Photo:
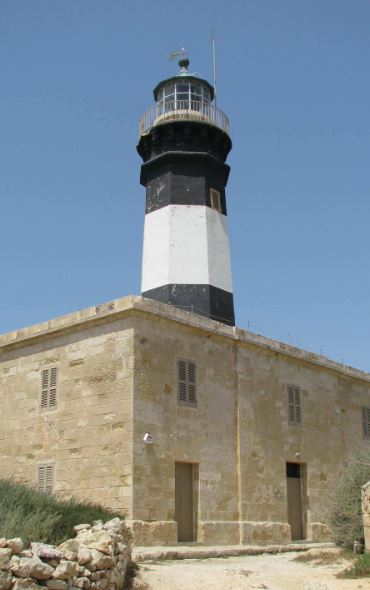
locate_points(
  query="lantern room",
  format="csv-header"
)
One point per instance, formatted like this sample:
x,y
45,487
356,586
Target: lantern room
x,y
183,97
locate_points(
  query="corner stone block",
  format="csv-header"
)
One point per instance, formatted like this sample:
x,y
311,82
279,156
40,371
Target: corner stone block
x,y
263,533
153,533
218,532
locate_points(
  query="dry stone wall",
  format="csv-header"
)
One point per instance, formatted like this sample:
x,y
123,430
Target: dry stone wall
x,y
96,559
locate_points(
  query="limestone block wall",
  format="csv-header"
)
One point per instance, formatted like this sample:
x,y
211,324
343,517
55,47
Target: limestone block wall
x,y
97,559
204,436
87,437
117,380
238,438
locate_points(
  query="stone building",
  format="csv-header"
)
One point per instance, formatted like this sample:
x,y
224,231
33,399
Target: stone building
x,y
160,407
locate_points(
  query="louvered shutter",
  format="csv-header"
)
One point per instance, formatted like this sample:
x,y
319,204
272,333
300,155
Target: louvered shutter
x,y
297,404
49,479
41,477
53,387
294,405
49,379
192,391
44,388
365,422
45,478
186,382
291,412
181,383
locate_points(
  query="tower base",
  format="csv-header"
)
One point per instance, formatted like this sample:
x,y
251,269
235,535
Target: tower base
x,y
205,300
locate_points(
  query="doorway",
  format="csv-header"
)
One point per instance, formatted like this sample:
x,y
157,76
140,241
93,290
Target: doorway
x,y
294,474
184,501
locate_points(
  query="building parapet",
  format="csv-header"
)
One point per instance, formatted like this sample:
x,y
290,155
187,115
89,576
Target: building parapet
x,y
132,304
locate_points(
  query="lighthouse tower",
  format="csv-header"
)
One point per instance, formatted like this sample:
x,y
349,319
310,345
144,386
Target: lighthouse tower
x,y
184,143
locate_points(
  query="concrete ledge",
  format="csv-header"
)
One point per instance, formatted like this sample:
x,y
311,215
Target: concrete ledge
x,y
210,552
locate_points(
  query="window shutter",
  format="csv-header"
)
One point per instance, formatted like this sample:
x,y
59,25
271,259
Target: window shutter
x,y
181,368
49,479
45,478
294,405
53,387
297,403
41,478
44,388
365,422
49,378
192,394
291,412
186,382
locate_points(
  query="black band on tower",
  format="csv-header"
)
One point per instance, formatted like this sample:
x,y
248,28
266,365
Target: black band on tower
x,y
206,300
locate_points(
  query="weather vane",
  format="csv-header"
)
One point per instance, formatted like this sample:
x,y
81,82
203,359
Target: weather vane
x,y
182,53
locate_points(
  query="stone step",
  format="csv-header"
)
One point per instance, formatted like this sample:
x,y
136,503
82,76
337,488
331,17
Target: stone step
x,y
198,551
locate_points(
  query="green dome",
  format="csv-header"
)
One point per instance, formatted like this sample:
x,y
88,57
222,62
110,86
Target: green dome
x,y
183,73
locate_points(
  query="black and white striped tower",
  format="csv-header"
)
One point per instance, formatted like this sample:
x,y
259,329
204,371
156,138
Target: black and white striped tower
x,y
184,143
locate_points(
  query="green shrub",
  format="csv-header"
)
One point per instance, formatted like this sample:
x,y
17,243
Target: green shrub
x,y
346,515
26,513
360,569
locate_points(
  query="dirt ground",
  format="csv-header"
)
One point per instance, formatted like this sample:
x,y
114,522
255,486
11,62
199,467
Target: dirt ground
x,y
272,572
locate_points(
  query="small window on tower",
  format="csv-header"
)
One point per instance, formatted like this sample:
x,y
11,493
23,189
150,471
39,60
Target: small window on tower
x,y
45,478
186,383
49,383
365,412
215,199
294,405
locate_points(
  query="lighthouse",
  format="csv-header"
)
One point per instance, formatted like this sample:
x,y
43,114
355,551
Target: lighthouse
x,y
184,143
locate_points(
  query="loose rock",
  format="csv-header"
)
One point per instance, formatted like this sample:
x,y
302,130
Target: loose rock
x,y
65,570
101,561
5,555
5,580
102,584
95,560
32,567
81,583
83,555
16,545
57,585
81,527
26,584
100,540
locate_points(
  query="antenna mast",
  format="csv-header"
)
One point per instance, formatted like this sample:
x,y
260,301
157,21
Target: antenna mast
x,y
214,63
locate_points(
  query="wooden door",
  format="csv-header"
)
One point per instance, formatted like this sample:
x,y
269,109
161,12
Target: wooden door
x,y
184,509
294,493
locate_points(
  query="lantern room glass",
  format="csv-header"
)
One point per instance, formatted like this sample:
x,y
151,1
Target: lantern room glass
x,y
183,95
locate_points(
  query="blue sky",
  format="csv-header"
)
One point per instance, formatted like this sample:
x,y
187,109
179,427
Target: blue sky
x,y
293,77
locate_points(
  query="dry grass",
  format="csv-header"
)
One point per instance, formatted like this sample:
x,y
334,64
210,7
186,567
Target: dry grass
x,y
359,569
26,513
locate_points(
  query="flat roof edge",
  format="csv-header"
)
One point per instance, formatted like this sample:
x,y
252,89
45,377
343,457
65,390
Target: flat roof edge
x,y
124,306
